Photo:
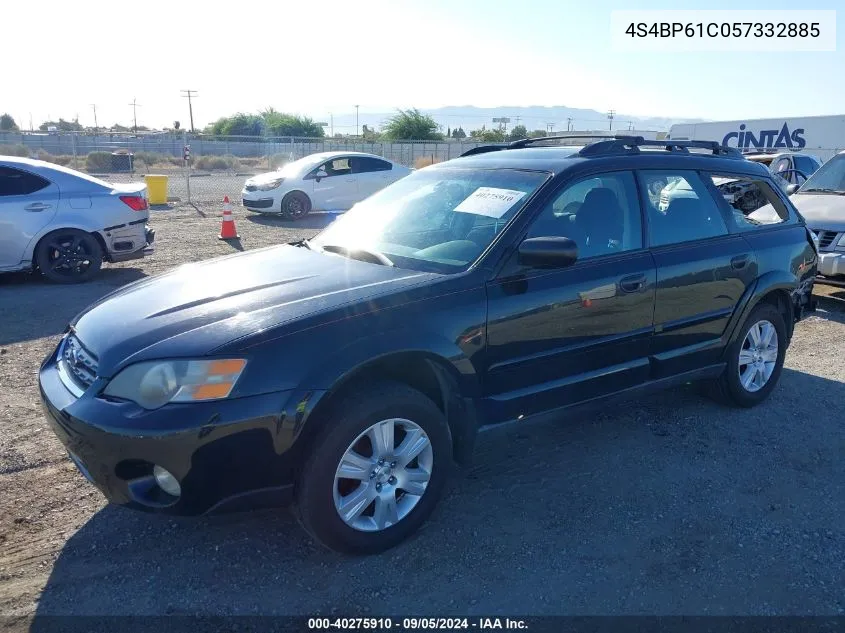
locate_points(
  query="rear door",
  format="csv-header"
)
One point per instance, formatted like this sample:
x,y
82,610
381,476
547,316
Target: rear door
x,y
702,270
28,203
338,189
373,174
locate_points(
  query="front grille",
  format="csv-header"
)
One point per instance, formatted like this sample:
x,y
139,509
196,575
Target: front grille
x,y
826,238
79,363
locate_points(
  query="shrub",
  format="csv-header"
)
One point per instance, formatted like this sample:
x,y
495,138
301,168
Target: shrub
x,y
150,158
425,161
252,162
216,162
98,161
56,160
14,150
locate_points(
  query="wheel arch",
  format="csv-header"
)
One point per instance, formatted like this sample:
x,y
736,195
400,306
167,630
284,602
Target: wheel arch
x,y
294,191
776,288
48,231
425,371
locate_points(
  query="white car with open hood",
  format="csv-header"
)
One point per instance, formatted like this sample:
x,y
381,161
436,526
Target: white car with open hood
x,y
329,181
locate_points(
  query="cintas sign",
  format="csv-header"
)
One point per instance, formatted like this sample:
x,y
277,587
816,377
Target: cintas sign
x,y
766,139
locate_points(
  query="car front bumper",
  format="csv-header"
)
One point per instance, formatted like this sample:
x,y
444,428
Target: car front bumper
x,y
259,200
831,264
226,455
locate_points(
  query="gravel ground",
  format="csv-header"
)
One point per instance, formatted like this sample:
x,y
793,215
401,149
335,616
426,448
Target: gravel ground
x,y
668,505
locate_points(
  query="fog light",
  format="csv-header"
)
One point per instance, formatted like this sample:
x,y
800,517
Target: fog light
x,y
166,481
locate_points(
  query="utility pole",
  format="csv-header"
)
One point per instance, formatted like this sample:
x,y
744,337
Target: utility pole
x,y
549,128
96,127
569,124
331,119
135,106
610,115
189,94
356,120
30,122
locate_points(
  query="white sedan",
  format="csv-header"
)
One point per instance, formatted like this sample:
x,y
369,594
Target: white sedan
x,y
330,181
66,223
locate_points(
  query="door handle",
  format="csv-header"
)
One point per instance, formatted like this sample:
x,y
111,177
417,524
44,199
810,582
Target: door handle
x,y
37,206
634,283
739,262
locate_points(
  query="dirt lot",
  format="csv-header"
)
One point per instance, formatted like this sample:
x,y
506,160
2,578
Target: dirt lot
x,y
670,505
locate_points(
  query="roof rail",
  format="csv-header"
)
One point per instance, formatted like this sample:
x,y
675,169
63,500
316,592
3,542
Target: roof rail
x,y
483,149
632,144
525,142
615,144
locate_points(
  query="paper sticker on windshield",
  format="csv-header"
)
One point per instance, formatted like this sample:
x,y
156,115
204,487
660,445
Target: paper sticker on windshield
x,y
490,201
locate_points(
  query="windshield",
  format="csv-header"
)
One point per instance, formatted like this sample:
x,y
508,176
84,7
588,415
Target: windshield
x,y
829,177
438,220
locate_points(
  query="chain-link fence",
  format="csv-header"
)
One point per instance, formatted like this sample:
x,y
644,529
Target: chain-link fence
x,y
218,165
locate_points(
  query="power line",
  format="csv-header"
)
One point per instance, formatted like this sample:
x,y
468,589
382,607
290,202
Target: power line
x,y
189,94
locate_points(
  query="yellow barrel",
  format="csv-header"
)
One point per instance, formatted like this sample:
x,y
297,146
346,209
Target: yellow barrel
x,y
156,188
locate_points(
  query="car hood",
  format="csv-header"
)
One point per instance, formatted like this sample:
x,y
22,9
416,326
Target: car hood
x,y
822,211
260,179
198,307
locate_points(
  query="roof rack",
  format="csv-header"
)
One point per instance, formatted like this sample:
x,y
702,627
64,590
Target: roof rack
x,y
632,144
615,144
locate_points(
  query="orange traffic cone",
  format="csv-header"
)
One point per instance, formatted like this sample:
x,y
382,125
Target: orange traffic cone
x,y
227,229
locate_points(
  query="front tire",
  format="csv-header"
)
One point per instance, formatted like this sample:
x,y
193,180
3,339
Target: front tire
x,y
68,256
295,205
377,470
755,359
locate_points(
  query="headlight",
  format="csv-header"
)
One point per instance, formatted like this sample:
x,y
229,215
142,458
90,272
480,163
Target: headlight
x,y
268,184
154,384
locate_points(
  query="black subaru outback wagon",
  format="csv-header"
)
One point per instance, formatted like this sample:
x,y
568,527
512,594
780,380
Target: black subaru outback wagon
x,y
346,373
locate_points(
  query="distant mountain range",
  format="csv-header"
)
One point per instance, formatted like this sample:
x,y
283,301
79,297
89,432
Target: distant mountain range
x,y
532,117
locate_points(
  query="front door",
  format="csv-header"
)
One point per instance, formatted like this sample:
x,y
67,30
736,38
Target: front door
x,y
27,204
335,186
564,336
702,269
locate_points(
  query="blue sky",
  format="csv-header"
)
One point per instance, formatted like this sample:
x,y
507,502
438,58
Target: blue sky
x,y
321,57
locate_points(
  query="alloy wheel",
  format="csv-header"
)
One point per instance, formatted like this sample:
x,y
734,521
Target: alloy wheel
x,y
758,356
383,475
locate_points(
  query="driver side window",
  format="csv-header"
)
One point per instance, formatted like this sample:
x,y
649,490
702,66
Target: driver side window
x,y
601,214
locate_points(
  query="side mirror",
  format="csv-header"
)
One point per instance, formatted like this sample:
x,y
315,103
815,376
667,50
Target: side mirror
x,y
321,173
792,188
548,252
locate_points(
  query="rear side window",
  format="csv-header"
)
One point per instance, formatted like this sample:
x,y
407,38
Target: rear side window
x,y
365,164
680,207
752,202
14,182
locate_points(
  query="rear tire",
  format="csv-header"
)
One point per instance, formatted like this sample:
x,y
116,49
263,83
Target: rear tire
x,y
68,256
755,359
383,501
295,205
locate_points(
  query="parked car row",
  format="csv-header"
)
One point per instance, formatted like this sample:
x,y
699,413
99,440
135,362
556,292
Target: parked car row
x,y
511,283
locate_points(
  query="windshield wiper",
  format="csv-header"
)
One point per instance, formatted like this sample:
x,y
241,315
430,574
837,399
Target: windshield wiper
x,y
823,190
372,256
302,242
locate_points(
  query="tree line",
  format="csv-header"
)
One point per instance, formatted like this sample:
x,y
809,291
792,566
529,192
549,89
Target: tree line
x,y
408,124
